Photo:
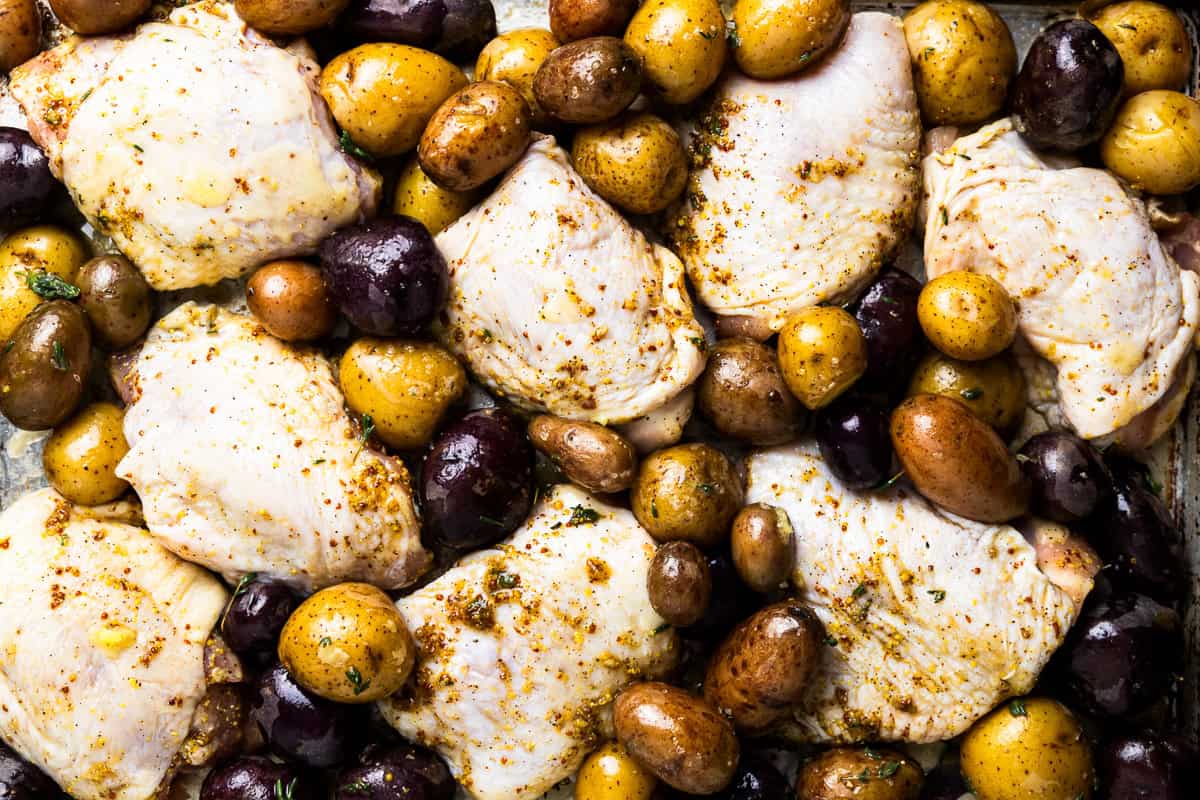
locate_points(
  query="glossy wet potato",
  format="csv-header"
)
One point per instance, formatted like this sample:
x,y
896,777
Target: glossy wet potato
x,y
887,315
401,772
118,301
24,173
256,778
256,614
588,81
93,17
1069,479
744,395
81,456
476,134
854,441
456,29
838,774
761,545
610,773
681,44
1139,767
298,724
514,58
679,583
597,458
688,492
43,373
291,301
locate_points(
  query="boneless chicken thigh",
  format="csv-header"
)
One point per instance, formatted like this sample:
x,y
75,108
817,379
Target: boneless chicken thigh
x,y
1097,295
200,146
246,461
931,619
805,185
561,305
523,647
102,635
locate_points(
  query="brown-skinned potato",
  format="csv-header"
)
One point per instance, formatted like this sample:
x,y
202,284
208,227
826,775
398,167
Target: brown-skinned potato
x,y
289,298
743,394
475,135
44,368
838,774
761,545
760,672
20,32
579,19
595,457
588,81
94,17
118,301
515,57
680,738
956,460
688,492
289,17
679,583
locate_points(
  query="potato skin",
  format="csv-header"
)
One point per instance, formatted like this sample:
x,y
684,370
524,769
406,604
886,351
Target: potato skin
x,y
994,389
290,300
429,204
595,457
383,95
1152,41
44,368
963,60
1031,749
118,301
679,583
683,740
688,492
20,32
1152,142
743,394
41,248
475,135
966,315
610,773
515,57
92,17
761,547
776,39
348,643
572,20
81,456
956,460
405,387
682,46
822,353
636,162
759,673
588,81
837,775
289,17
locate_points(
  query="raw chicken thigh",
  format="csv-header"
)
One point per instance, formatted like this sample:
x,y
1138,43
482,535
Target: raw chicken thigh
x,y
198,145
805,185
246,461
102,635
1097,295
523,647
561,305
936,618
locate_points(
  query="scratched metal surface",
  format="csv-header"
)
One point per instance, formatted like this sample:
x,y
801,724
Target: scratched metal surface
x,y
1177,460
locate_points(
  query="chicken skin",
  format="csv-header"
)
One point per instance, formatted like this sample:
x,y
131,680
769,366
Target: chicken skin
x,y
523,647
198,145
931,619
803,186
102,635
246,461
561,305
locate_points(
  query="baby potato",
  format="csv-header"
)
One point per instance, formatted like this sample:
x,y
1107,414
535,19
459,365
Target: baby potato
x,y
595,457
963,60
688,492
383,95
1152,142
682,46
822,353
348,643
679,583
1152,41
966,315
81,456
853,773
25,254
20,32
405,387
429,204
776,38
588,81
611,773
117,299
636,162
994,389
683,740
1028,749
515,58
761,545
743,394
572,20
475,135
45,365
289,17
956,460
93,17
760,672
289,298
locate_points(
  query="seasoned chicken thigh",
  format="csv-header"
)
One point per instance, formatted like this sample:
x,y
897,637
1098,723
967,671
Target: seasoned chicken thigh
x,y
563,306
246,461
803,186
102,635
197,144
1097,295
936,618
523,647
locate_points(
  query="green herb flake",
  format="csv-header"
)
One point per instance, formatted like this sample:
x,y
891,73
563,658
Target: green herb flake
x,y
356,680
654,509
367,423
804,57
938,595
700,342
49,286
1127,26
1152,483
282,793
709,35
974,393
350,148
358,787
507,580
318,461
707,488
927,52
945,216
244,582
731,36
138,147
859,591
491,521
889,483
325,642
889,769
829,640
963,156
582,516
59,357
1017,708
666,626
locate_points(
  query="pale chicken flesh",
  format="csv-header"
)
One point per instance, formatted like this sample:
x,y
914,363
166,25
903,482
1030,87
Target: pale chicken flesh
x,y
931,619
198,145
523,647
1097,295
246,460
102,635
561,305
803,187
